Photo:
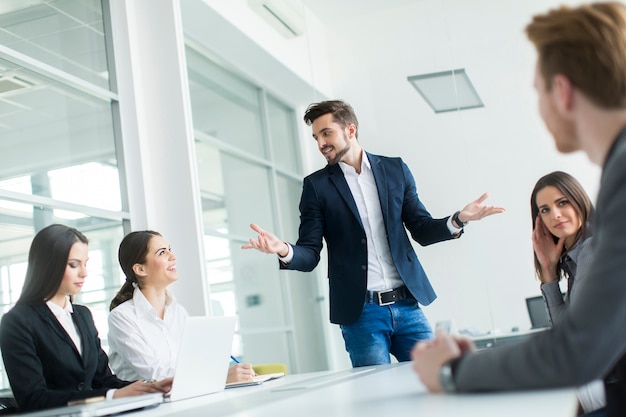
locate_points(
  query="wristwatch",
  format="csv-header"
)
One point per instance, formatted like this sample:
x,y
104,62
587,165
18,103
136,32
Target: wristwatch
x,y
455,219
446,379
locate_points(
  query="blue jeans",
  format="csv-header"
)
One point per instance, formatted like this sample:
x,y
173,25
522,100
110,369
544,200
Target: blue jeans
x,y
380,331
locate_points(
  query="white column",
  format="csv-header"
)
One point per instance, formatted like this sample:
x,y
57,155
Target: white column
x,y
157,136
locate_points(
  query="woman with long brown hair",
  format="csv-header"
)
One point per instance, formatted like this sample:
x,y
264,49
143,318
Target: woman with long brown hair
x,y
561,212
50,346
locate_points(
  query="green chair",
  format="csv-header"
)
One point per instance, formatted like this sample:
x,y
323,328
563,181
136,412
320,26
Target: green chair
x,y
269,368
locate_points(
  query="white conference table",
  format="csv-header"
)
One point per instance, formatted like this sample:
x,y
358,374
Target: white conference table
x,y
369,391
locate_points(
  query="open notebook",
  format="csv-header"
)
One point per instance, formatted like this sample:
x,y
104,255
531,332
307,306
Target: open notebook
x,y
257,380
203,357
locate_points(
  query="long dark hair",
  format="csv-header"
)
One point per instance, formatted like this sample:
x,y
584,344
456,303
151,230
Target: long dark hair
x,y
133,250
47,261
575,193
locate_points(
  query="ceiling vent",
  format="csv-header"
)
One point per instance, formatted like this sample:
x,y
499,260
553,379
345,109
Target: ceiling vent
x,y
285,16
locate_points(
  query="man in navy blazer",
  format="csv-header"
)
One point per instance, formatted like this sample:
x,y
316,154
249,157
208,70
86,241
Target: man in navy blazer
x,y
360,204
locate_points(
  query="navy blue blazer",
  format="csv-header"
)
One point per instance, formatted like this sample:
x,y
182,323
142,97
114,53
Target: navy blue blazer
x,y
43,365
328,211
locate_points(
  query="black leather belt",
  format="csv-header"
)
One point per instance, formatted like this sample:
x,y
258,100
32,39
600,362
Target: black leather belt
x,y
387,297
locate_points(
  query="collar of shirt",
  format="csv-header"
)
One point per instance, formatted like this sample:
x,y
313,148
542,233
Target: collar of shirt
x,y
349,169
143,306
573,252
59,311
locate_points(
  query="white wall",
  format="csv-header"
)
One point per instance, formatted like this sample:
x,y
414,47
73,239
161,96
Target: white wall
x,y
363,52
483,278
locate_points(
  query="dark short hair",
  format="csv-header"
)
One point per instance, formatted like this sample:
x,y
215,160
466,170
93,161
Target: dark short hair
x,y
133,250
47,261
342,112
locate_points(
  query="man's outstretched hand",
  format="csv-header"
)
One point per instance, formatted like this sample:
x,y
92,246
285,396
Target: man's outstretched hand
x,y
266,242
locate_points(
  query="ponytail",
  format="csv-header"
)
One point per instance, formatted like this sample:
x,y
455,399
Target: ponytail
x,y
133,250
124,294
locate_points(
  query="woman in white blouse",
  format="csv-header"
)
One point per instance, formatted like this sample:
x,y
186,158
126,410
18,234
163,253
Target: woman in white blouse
x,y
146,322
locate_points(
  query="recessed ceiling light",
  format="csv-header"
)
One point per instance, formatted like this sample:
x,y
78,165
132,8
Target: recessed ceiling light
x,y
11,83
447,90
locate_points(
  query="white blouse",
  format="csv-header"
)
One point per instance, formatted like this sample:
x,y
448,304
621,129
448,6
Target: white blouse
x,y
141,345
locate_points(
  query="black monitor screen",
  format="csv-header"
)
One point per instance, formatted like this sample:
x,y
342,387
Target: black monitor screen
x,y
537,312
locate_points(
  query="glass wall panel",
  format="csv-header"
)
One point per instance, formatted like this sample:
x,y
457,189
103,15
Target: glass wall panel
x,y
56,142
211,188
283,135
58,160
224,106
248,199
289,191
66,34
240,183
267,347
218,260
304,289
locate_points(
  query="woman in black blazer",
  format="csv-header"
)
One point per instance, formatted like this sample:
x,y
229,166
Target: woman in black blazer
x,y
50,347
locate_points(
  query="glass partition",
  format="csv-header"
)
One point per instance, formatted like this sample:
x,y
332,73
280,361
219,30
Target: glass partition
x,y
285,148
56,141
66,34
225,106
246,146
58,160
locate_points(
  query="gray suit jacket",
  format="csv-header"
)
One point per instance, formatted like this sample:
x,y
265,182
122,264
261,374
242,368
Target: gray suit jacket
x,y
589,339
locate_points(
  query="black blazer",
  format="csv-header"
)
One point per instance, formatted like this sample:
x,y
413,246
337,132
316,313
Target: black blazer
x,y
43,365
328,211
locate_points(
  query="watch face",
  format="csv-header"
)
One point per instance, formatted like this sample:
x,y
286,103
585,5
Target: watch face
x,y
446,379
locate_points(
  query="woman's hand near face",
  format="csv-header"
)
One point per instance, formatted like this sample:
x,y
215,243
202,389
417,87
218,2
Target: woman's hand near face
x,y
140,387
548,252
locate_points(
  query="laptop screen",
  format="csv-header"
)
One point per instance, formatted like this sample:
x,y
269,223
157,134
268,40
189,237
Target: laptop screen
x,y
203,357
537,312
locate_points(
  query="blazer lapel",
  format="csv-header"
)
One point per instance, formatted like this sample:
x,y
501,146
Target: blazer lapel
x,y
380,177
336,177
51,321
83,331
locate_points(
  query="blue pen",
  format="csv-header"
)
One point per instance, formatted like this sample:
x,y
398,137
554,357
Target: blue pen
x,y
234,359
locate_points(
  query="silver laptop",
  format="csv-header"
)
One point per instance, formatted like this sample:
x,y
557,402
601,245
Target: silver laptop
x,y
203,357
102,407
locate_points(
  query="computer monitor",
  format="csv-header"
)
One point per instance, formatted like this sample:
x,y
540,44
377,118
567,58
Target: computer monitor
x,y
537,312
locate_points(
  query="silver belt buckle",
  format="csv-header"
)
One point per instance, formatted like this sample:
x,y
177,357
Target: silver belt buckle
x,y
380,298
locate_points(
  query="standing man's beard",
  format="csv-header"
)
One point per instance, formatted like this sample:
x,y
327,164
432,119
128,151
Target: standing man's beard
x,y
340,154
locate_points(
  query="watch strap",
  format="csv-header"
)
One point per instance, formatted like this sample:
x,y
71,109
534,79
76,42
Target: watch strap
x,y
455,219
